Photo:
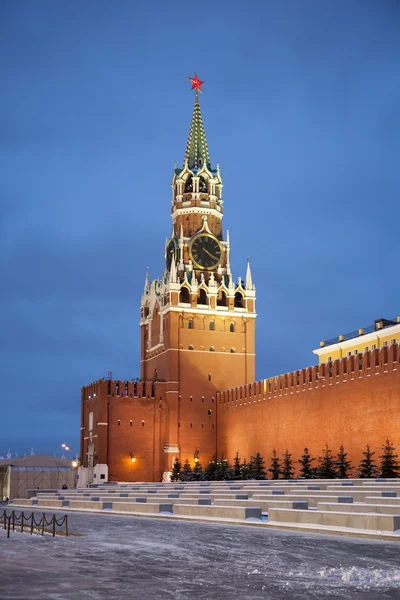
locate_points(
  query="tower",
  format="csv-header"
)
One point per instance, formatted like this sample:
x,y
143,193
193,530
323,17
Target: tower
x,y
197,323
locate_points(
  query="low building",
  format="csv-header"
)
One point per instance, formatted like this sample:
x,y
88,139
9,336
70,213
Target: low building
x,y
18,475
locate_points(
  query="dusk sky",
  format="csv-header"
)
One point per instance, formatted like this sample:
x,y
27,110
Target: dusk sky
x,y
301,107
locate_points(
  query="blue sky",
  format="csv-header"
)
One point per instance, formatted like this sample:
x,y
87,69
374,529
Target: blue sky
x,y
301,109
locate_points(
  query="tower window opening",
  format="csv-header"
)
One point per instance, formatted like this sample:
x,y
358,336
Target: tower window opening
x,y
202,297
184,296
126,389
212,349
212,326
212,399
202,181
190,324
202,425
189,185
117,388
202,398
238,300
191,399
119,422
233,350
190,348
142,423
130,423
221,299
232,328
209,377
209,412
191,424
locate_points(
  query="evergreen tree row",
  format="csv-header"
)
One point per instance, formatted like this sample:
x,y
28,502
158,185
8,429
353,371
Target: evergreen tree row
x,y
328,466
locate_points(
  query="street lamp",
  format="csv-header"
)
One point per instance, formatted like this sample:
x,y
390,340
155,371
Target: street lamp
x,y
133,458
196,456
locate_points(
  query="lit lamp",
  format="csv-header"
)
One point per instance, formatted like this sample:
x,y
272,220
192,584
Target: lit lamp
x,y
74,464
133,458
196,456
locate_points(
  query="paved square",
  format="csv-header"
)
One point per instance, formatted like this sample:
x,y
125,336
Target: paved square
x,y
123,558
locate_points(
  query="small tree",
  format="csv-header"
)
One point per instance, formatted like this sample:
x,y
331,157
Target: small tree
x,y
211,470
287,466
223,469
389,463
275,467
197,473
245,470
186,474
367,468
342,464
258,467
305,461
176,470
237,467
326,466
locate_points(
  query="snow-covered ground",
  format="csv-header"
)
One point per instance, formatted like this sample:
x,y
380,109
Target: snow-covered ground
x,y
124,558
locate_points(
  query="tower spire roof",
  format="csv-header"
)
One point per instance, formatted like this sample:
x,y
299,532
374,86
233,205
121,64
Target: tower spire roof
x,y
196,153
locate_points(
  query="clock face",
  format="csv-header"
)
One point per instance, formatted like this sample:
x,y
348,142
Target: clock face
x,y
170,251
205,251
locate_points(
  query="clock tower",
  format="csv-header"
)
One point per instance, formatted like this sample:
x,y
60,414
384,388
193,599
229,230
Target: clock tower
x,y
197,322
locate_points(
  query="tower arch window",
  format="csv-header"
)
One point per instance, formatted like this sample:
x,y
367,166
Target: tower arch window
x,y
202,181
189,185
222,299
184,295
212,326
190,347
142,423
233,350
232,327
190,324
202,297
238,300
212,349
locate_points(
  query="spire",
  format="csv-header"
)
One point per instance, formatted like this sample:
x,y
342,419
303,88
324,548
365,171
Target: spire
x,y
172,271
249,280
146,282
196,148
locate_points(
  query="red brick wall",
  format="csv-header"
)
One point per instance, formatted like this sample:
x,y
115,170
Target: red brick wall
x,y
357,402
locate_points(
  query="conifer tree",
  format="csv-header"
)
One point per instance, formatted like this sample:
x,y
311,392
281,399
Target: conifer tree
x,y
211,470
326,466
176,470
275,467
287,466
342,464
245,470
367,468
389,463
237,467
223,469
305,461
186,474
258,467
197,473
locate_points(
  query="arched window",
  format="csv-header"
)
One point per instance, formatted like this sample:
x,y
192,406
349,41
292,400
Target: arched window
x,y
221,299
238,300
212,326
184,295
233,350
202,185
212,349
232,327
190,324
190,348
202,297
189,185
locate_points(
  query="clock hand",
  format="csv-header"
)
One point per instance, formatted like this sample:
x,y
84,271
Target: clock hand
x,y
209,254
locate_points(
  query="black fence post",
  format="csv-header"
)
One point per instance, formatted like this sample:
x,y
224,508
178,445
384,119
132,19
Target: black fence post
x,y
66,525
32,523
43,522
22,522
8,526
13,520
54,525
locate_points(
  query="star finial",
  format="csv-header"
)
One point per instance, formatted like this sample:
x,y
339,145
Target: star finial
x,y
196,83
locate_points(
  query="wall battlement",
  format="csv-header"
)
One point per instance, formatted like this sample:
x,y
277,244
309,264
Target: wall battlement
x,y
367,364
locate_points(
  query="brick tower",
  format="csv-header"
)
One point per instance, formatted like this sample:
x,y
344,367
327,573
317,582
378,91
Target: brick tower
x,y
197,324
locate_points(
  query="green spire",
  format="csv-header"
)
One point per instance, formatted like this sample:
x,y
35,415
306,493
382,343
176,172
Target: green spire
x,y
196,148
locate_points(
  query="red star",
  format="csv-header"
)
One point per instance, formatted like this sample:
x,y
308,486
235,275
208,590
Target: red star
x,y
196,83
